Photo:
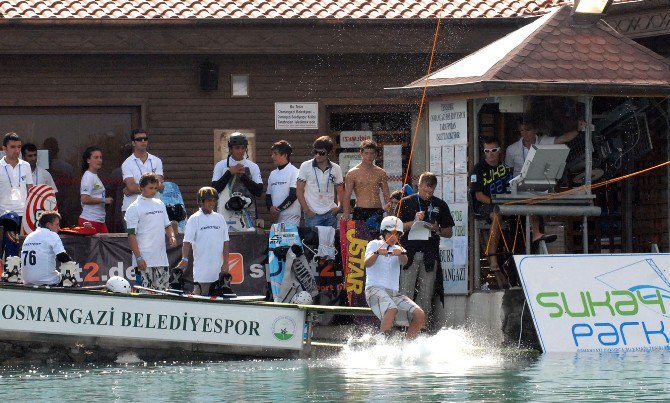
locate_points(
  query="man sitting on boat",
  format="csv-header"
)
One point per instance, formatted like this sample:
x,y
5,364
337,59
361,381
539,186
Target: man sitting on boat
x,y
40,250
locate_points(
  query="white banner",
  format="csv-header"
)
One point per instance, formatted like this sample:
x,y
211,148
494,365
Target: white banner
x,y
448,123
294,115
598,303
454,252
151,319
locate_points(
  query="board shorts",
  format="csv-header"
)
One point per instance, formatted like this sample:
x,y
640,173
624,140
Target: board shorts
x,y
382,299
157,278
372,216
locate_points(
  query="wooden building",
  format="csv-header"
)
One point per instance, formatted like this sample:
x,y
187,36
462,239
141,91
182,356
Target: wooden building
x,y
81,73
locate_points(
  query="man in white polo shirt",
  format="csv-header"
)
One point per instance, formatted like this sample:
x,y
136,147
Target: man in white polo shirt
x,y
40,250
207,233
147,222
282,198
15,176
139,163
319,186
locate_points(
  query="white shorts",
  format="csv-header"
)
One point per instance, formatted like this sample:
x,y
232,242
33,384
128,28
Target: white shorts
x,y
382,299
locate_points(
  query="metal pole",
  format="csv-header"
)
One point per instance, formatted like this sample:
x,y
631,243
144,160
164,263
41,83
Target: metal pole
x,y
588,145
476,259
528,234
667,171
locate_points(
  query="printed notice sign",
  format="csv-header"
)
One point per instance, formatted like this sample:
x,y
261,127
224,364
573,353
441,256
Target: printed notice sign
x,y
293,115
353,139
448,123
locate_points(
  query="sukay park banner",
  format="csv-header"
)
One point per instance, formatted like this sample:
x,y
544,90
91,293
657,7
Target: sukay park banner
x,y
596,303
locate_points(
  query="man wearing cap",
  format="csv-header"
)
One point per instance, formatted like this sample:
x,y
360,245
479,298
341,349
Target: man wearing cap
x,y
139,163
238,174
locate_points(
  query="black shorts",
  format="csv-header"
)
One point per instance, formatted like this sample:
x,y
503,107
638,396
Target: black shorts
x,y
372,216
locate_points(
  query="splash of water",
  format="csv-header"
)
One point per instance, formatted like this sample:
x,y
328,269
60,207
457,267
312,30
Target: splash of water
x,y
453,351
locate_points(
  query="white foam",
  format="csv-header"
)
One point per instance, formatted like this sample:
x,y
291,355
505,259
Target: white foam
x,y
451,351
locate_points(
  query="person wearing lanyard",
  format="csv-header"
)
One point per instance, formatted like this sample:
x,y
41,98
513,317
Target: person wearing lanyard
x,y
320,186
92,193
15,177
40,175
139,163
421,278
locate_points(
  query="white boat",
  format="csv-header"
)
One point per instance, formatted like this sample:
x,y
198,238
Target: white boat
x,y
157,326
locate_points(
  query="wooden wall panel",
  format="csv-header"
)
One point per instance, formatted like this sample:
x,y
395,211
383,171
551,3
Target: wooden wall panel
x,y
181,118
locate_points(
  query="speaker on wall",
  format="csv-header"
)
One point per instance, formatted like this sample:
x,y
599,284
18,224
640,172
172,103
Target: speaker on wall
x,y
209,76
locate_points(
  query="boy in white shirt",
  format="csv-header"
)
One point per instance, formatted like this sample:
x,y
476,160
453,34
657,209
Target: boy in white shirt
x,y
207,233
146,221
281,198
40,250
383,259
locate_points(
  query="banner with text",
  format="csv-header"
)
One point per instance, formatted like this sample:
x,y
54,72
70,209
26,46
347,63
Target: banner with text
x,y
595,303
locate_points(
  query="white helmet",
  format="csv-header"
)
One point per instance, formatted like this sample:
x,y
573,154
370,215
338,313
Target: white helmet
x,y
118,284
302,298
391,223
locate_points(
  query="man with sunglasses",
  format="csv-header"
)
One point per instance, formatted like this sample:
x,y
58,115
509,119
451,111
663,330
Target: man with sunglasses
x,y
139,163
490,176
320,186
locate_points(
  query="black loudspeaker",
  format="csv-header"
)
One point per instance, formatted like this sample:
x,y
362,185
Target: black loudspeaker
x,y
209,76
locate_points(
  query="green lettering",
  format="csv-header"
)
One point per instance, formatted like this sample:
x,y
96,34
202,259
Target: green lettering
x,y
253,328
61,315
138,319
75,319
540,298
33,313
89,319
125,319
627,305
575,314
148,324
648,300
162,319
206,323
49,316
593,304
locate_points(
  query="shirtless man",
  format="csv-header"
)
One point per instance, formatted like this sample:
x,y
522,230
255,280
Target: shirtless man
x,y
366,180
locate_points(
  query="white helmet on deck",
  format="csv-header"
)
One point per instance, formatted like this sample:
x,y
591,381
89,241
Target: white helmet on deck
x,y
302,298
390,224
118,284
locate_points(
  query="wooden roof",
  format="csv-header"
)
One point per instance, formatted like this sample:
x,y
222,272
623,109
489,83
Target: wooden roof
x,y
553,55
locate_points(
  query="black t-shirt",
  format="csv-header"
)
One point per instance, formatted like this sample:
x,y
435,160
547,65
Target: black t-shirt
x,y
436,211
490,180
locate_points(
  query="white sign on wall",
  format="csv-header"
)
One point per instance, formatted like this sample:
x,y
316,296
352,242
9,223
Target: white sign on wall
x,y
296,115
454,252
353,139
596,303
448,123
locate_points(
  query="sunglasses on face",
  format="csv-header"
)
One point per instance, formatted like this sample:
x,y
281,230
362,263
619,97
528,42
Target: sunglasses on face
x,y
320,152
491,150
141,139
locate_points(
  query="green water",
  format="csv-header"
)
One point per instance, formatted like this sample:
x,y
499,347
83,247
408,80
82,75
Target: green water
x,y
450,366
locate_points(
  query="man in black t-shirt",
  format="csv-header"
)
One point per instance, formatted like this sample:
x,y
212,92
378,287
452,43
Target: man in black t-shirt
x,y
490,176
423,271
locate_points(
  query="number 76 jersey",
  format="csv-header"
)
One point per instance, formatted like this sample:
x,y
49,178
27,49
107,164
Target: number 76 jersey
x,y
38,257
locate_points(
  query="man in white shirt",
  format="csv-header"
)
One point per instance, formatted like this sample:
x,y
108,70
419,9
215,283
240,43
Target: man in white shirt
x,y
238,174
320,186
147,222
40,175
281,197
516,156
40,250
139,163
15,177
207,234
